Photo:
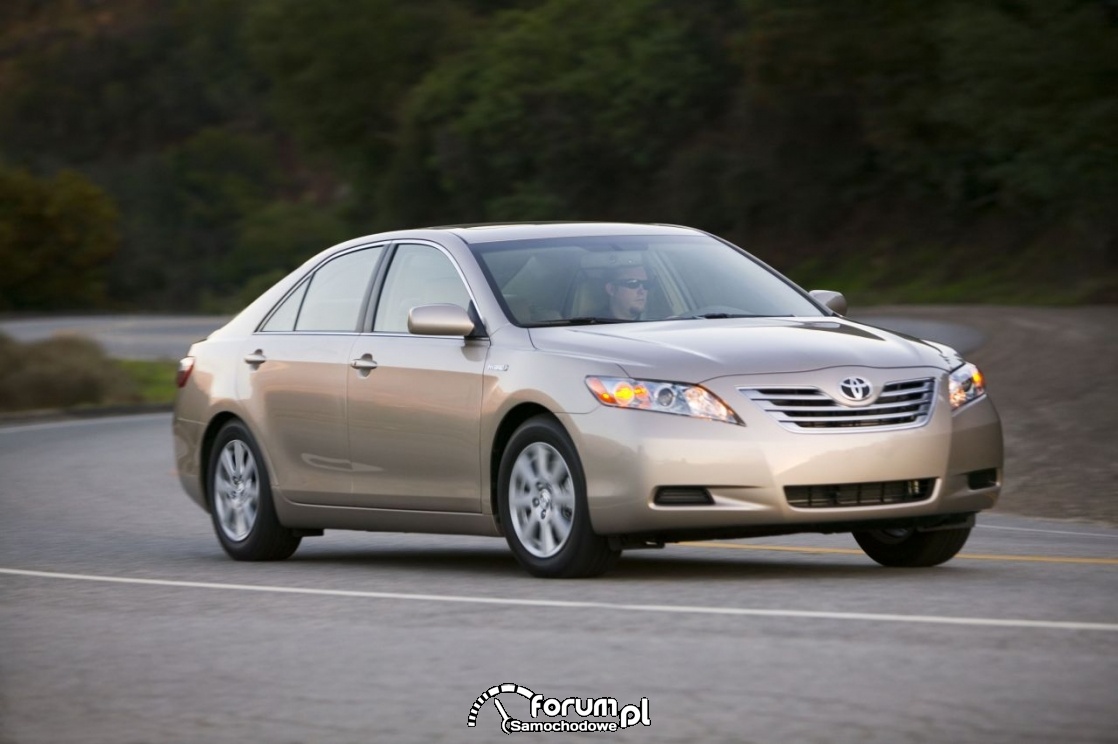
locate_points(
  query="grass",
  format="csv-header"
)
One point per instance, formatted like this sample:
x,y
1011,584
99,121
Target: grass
x,y
69,372
154,381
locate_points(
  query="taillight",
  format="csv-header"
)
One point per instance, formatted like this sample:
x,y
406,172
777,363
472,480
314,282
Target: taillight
x,y
186,366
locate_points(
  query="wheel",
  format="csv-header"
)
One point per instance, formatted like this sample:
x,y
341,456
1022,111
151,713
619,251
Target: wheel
x,y
240,494
908,548
541,497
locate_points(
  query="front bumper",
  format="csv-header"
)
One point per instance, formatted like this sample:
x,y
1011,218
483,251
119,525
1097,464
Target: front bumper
x,y
629,455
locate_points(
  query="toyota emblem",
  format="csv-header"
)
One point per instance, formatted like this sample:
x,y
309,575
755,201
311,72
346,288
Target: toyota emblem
x,y
855,388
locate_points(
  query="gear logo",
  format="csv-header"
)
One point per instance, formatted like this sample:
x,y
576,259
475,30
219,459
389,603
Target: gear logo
x,y
556,712
493,692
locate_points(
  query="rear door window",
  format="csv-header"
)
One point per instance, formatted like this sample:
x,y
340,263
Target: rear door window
x,y
331,300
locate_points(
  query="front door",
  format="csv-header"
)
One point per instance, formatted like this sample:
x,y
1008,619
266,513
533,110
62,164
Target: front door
x,y
414,427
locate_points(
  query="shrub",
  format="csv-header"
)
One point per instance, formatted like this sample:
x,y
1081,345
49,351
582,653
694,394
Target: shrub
x,y
60,372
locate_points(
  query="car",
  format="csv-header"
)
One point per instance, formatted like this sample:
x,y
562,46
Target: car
x,y
580,389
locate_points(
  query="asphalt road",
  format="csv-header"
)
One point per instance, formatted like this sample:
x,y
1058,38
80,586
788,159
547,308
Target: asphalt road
x,y
122,621
122,336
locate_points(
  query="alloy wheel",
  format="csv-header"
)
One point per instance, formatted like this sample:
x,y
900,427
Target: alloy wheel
x,y
236,490
542,500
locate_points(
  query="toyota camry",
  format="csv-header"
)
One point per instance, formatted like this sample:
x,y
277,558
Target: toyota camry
x,y
580,389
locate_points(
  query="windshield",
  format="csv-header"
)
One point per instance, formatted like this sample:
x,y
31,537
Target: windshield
x,y
617,279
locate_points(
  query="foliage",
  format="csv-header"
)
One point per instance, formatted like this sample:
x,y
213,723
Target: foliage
x,y
188,203
271,242
956,149
1034,91
69,370
56,237
90,83
152,380
339,68
966,114
59,372
567,109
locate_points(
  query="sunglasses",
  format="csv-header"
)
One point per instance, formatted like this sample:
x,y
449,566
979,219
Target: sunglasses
x,y
634,283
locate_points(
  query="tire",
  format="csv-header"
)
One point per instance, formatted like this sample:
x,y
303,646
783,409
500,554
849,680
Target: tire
x,y
541,498
907,548
240,500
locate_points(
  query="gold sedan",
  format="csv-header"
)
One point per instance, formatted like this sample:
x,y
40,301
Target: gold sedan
x,y
580,389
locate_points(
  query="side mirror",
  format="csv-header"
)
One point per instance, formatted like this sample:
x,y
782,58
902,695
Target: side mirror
x,y
830,300
440,320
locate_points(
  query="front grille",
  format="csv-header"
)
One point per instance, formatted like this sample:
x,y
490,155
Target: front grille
x,y
859,494
901,404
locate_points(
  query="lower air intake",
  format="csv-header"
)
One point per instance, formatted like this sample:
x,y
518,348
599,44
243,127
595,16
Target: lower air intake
x,y
859,494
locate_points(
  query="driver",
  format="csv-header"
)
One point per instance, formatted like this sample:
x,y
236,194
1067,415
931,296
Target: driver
x,y
627,289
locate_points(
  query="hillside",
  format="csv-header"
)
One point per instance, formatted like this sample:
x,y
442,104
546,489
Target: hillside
x,y
957,151
1053,375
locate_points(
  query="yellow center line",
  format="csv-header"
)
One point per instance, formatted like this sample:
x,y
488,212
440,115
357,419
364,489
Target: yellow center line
x,y
968,556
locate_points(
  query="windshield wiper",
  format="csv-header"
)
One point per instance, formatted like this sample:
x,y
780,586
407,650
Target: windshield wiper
x,y
717,316
585,320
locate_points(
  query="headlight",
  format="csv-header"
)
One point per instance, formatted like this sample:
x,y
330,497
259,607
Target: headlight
x,y
665,397
966,384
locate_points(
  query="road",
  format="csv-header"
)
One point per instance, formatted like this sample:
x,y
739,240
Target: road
x,y
122,621
122,336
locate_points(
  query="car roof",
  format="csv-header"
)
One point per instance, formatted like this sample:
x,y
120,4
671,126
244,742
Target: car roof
x,y
491,233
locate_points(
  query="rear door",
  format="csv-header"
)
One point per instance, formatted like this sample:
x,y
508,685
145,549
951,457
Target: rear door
x,y
297,368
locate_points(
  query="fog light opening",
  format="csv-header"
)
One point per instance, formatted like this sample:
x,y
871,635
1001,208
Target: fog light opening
x,y
683,496
979,479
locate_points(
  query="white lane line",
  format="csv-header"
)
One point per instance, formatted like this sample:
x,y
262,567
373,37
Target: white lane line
x,y
566,604
1048,532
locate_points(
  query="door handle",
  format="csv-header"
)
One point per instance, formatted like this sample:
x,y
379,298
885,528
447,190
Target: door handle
x,y
256,358
364,363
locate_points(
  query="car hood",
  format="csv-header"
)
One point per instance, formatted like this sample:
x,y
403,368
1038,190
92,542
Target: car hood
x,y
700,350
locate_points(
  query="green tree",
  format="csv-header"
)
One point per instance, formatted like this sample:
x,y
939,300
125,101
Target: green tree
x,y
85,86
188,203
339,69
988,123
271,242
1035,88
565,109
969,144
981,102
56,237
158,104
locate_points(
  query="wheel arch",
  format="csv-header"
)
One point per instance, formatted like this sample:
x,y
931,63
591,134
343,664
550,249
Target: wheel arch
x,y
208,438
509,424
